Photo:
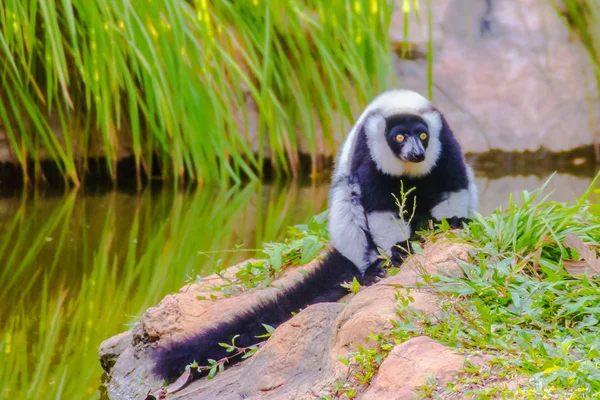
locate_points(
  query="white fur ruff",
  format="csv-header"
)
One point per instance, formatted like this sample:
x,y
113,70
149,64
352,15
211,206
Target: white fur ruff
x,y
396,102
392,102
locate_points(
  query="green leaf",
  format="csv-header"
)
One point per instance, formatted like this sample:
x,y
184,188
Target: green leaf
x,y
275,258
227,346
355,288
269,329
212,372
310,248
416,246
250,352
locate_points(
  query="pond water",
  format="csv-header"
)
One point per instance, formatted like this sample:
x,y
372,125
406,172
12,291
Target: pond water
x,y
79,267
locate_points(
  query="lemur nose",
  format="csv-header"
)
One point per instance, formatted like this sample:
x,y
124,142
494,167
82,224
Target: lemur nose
x,y
419,157
416,156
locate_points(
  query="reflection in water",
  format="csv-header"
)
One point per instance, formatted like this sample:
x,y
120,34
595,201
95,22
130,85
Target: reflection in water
x,y
494,193
77,269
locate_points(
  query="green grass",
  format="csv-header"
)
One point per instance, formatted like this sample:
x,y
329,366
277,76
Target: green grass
x,y
584,18
516,302
170,81
80,268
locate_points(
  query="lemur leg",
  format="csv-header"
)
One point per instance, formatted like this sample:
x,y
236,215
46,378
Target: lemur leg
x,y
456,208
389,231
473,192
348,224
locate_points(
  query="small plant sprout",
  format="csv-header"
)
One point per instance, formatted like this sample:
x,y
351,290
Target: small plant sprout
x,y
353,287
303,244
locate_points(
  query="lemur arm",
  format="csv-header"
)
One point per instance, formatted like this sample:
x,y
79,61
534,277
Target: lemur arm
x,y
458,206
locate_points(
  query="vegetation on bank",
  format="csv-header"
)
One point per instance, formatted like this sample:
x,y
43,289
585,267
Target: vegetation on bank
x,y
527,298
176,83
175,80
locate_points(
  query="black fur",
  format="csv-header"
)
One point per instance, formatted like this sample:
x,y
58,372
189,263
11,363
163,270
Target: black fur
x,y
321,285
448,175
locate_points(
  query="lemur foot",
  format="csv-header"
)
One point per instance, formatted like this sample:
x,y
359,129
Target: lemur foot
x,y
399,254
402,250
457,222
374,273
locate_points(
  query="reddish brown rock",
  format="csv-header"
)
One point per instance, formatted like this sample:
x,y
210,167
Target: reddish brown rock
x,y
180,315
300,360
289,366
408,366
372,311
177,316
440,258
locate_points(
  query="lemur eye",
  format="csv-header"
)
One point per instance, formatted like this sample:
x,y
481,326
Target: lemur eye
x,y
399,138
423,136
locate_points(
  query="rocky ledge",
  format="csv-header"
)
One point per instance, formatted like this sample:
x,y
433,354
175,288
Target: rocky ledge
x,y
301,358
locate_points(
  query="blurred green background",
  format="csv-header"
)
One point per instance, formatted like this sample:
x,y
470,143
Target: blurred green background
x,y
136,135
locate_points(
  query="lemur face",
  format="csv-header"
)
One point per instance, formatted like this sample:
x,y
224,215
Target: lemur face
x,y
408,137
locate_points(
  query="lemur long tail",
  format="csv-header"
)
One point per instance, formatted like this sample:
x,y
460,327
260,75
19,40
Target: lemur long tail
x,y
321,285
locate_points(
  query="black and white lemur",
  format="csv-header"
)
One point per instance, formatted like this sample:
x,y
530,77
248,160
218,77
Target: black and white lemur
x,y
399,141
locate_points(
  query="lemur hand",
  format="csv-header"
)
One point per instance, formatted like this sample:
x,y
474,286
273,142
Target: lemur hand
x,y
374,273
402,250
457,222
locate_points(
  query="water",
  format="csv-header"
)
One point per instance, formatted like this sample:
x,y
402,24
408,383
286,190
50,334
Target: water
x,y
79,268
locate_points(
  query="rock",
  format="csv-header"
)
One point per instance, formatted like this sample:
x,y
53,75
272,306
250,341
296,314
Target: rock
x,y
439,258
300,360
180,315
112,348
370,311
508,75
176,317
287,367
131,378
408,366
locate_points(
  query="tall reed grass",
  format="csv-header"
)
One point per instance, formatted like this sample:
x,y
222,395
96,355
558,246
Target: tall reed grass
x,y
171,82
583,17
